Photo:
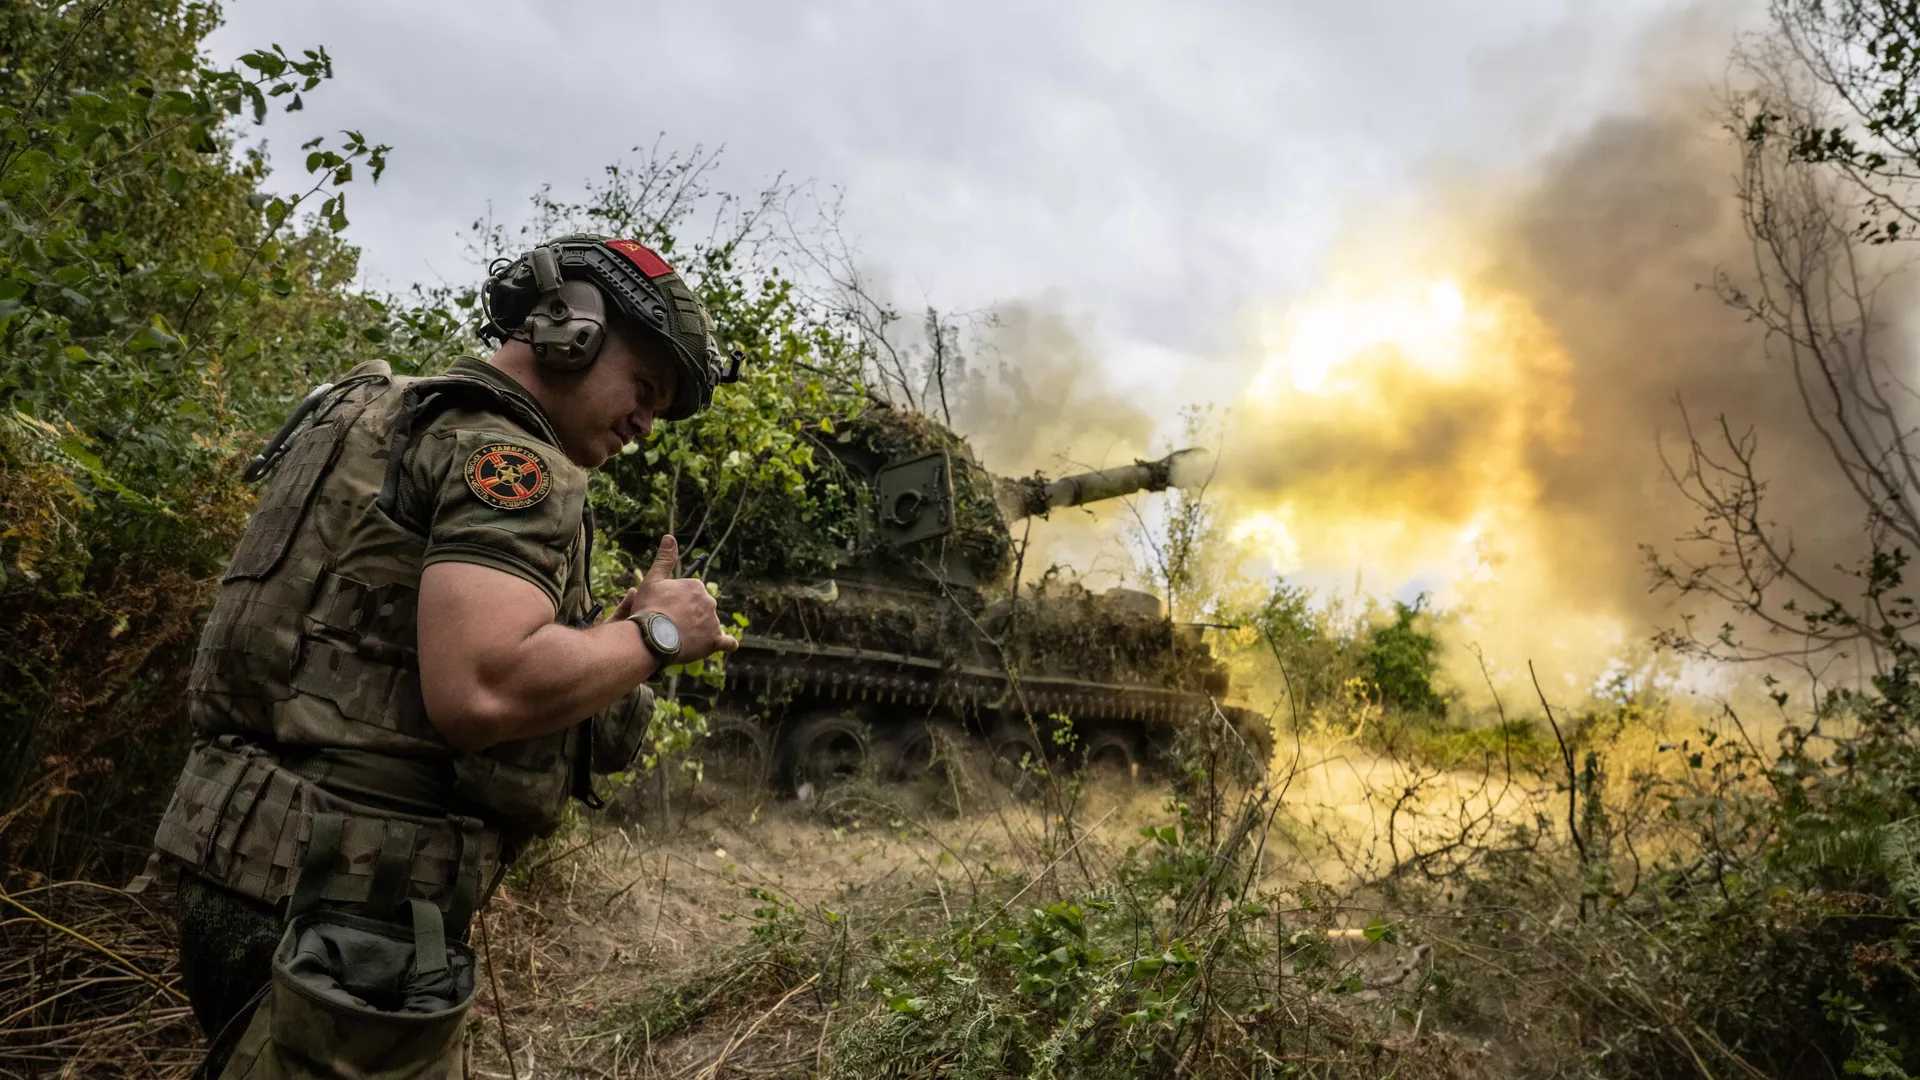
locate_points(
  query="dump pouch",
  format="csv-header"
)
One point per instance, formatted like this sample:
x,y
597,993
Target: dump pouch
x,y
359,998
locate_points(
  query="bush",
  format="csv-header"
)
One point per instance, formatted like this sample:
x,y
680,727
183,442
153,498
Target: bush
x,y
157,306
162,306
1399,658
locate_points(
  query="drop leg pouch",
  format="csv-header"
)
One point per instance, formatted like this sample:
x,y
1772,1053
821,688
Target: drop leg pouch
x,y
355,998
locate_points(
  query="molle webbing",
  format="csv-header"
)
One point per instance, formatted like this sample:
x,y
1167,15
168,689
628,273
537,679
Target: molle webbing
x,y
284,503
358,652
241,819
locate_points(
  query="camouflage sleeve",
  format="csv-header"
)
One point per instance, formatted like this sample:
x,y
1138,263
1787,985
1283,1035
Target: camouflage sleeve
x,y
503,500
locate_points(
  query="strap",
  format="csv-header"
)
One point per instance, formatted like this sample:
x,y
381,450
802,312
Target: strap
x,y
583,766
318,865
587,525
393,871
429,938
231,1032
413,401
509,854
465,894
424,400
317,404
145,879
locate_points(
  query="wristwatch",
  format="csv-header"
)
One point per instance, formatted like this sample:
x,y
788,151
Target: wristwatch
x,y
659,632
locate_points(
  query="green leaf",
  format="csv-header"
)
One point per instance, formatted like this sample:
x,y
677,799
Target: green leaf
x,y
76,449
151,337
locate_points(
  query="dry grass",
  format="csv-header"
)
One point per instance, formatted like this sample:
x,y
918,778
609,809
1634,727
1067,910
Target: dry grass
x,y
631,947
88,986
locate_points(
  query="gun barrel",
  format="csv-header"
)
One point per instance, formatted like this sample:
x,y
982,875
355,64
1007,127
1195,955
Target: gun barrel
x,y
1035,496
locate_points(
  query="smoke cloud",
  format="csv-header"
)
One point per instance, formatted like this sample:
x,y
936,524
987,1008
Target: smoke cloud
x,y
1478,403
1480,400
1037,401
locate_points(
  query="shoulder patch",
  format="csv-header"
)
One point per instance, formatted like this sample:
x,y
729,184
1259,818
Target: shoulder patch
x,y
508,475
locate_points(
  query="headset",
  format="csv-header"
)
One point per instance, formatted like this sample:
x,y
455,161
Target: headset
x,y
567,322
557,298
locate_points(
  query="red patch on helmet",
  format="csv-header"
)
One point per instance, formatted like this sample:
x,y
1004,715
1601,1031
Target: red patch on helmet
x,y
641,256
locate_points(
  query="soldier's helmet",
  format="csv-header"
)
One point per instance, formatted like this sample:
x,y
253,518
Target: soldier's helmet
x,y
636,282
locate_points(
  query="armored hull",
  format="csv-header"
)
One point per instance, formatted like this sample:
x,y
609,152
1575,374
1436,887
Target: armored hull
x,y
920,628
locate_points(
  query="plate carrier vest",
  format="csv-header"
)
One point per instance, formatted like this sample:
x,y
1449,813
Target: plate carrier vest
x,y
311,645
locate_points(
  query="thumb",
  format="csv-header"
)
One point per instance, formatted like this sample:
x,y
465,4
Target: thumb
x,y
664,559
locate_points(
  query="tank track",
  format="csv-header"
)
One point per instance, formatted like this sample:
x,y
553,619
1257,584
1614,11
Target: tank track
x,y
771,667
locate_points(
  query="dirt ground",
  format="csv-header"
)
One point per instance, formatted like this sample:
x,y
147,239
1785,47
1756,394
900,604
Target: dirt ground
x,y
626,947
619,912
644,941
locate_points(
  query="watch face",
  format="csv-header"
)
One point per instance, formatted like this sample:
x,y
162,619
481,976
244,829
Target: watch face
x,y
665,634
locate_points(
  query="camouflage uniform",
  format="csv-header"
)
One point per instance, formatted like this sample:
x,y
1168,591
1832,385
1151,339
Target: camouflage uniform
x,y
305,693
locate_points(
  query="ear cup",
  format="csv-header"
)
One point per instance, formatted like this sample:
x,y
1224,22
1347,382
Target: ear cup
x,y
567,326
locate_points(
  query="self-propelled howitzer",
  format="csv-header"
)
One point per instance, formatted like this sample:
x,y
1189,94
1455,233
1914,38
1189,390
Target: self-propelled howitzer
x,y
919,627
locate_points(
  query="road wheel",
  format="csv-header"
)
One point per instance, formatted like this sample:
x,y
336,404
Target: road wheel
x,y
1019,762
1112,757
822,749
912,749
736,751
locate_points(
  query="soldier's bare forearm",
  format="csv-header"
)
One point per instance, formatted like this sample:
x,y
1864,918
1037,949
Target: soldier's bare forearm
x,y
494,666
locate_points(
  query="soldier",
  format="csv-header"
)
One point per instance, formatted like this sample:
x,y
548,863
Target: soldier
x,y
402,680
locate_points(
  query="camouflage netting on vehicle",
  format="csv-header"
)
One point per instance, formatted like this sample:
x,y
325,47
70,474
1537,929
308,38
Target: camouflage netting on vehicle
x,y
875,619
1061,630
1065,629
979,541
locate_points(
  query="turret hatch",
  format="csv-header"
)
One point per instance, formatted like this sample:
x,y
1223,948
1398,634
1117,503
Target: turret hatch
x,y
914,500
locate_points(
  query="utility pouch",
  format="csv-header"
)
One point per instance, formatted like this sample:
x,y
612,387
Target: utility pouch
x,y
621,730
229,814
361,998
523,784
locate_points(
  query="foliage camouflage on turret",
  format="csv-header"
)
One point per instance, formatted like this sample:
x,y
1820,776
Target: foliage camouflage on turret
x,y
980,541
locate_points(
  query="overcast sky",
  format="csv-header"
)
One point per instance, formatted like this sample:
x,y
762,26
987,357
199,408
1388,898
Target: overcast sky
x,y
1151,169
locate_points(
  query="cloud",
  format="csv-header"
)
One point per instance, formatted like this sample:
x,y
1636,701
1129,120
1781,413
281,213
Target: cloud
x,y
1148,165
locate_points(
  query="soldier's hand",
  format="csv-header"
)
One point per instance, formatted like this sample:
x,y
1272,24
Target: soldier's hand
x,y
684,600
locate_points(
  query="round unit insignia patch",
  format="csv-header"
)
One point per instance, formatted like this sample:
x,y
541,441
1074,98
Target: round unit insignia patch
x,y
508,476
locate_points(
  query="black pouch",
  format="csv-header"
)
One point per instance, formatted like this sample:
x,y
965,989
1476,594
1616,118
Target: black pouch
x,y
621,730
